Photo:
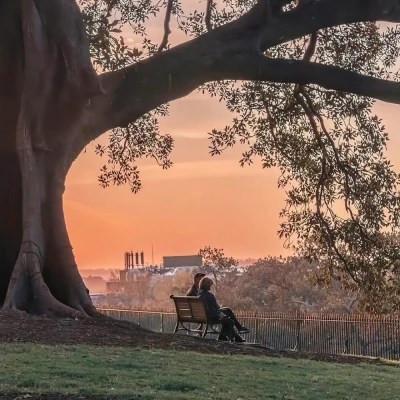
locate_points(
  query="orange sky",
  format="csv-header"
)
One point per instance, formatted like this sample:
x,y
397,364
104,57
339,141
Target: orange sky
x,y
199,201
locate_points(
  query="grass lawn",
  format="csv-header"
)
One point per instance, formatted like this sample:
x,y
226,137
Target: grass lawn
x,y
129,373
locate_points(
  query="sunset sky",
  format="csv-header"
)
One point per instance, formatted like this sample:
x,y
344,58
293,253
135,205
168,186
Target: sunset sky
x,y
199,201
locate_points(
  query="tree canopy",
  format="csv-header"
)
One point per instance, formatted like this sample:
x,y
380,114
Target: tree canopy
x,y
301,79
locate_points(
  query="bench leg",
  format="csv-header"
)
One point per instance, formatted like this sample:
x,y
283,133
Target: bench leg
x,y
200,329
205,331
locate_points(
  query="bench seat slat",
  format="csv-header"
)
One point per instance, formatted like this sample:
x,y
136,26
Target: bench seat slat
x,y
192,310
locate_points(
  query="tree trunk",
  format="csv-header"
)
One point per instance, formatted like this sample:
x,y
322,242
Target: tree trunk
x,y
38,272
47,80
10,218
44,278
61,271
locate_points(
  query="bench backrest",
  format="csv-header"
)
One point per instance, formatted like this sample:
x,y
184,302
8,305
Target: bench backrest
x,y
189,309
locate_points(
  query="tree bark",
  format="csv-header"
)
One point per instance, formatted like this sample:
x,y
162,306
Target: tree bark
x,y
43,238
48,80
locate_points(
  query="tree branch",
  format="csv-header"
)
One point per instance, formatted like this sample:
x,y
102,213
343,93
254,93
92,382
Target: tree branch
x,y
314,15
230,52
207,17
167,29
257,67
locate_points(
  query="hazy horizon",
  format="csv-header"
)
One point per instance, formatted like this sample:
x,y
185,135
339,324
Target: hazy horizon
x,y
200,201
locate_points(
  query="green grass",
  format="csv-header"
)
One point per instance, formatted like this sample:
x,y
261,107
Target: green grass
x,y
159,374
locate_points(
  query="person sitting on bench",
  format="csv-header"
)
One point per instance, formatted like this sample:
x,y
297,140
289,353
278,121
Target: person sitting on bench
x,y
215,313
194,289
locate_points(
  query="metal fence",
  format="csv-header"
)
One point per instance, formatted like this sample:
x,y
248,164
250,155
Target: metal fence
x,y
366,335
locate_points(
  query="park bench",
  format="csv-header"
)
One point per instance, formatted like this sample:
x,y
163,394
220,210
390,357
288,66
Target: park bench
x,y
191,310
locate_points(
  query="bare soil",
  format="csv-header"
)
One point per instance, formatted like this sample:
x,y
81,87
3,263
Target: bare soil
x,y
103,331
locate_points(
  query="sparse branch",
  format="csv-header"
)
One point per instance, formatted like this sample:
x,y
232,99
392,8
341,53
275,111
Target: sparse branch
x,y
310,50
347,171
167,28
311,46
207,17
330,235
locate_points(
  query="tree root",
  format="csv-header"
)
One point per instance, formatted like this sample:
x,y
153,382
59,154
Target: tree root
x,y
29,292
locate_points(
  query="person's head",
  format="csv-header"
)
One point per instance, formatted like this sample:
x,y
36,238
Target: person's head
x,y
198,277
206,283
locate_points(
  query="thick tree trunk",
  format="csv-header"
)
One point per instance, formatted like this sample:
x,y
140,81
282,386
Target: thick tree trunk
x,y
38,272
60,269
10,218
44,278
46,80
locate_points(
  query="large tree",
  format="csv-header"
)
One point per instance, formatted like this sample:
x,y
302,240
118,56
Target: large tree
x,y
300,76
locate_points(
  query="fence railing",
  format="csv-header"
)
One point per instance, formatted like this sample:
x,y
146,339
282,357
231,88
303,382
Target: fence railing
x,y
366,335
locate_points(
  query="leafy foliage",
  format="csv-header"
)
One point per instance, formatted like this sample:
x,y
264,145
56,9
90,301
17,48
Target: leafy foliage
x,y
284,285
140,139
342,206
106,22
216,262
342,202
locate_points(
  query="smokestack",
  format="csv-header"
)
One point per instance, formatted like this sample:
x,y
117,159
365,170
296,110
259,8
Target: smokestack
x,y
142,258
132,260
126,260
137,258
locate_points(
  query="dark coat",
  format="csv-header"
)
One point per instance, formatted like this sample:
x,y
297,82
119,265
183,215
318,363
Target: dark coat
x,y
193,291
211,305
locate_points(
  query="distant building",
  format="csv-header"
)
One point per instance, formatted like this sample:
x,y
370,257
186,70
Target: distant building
x,y
97,298
96,284
136,270
182,261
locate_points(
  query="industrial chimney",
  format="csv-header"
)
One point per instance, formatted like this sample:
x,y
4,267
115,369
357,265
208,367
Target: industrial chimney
x,y
142,258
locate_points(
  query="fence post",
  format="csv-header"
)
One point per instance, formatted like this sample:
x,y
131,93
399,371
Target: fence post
x,y
298,326
162,322
257,328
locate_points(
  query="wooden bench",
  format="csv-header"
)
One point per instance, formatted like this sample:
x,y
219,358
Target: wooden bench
x,y
191,310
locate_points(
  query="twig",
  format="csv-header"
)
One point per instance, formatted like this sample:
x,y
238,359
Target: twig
x,y
207,18
167,29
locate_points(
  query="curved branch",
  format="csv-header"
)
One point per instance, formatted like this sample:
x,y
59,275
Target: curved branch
x,y
258,67
314,15
232,51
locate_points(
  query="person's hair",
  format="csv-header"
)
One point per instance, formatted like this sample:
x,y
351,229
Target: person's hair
x,y
198,275
206,283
